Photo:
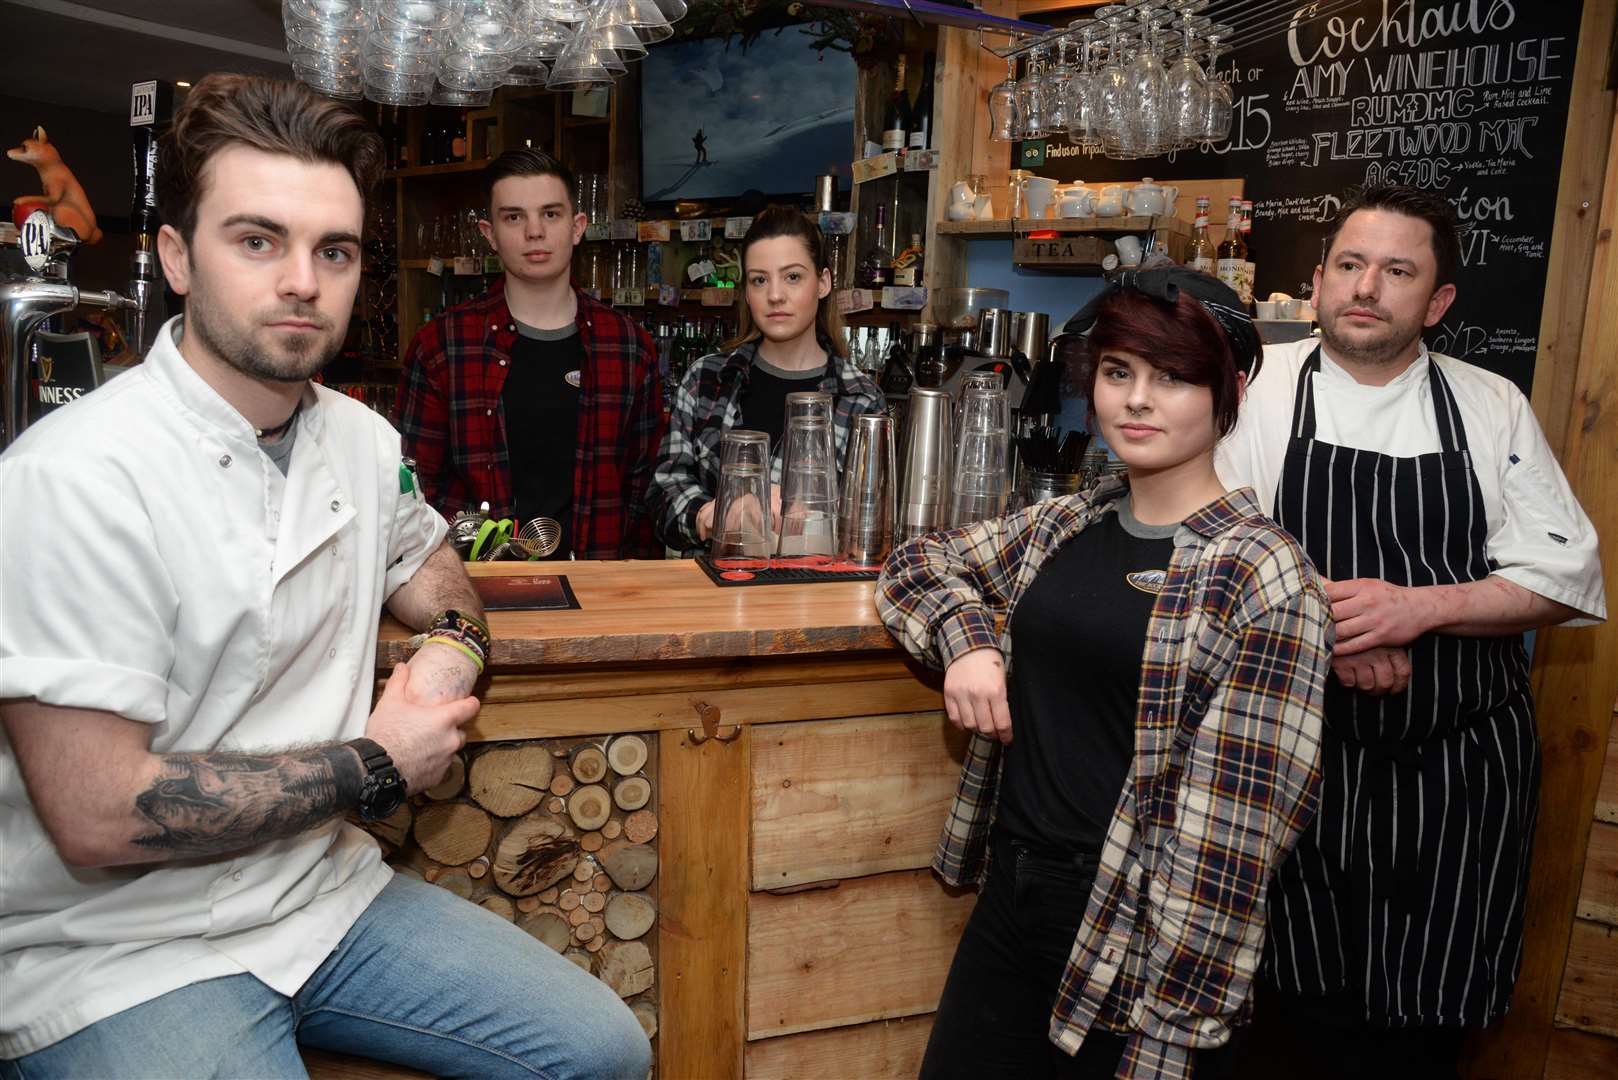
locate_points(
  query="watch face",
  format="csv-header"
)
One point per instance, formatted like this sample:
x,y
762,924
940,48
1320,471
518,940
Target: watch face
x,y
381,794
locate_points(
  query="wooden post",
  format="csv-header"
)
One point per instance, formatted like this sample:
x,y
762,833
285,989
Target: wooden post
x,y
1573,235
703,931
1575,680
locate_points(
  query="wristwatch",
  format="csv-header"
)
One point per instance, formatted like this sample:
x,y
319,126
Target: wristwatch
x,y
382,791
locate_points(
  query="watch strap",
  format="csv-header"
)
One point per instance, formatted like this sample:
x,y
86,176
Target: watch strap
x,y
371,754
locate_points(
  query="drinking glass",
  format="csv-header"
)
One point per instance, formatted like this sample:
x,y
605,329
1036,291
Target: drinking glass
x,y
1031,99
741,521
1058,90
1081,110
1147,93
1003,122
1221,108
1109,90
1187,90
808,485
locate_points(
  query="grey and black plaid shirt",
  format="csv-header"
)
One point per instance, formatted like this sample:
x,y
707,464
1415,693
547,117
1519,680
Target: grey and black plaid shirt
x,y
708,404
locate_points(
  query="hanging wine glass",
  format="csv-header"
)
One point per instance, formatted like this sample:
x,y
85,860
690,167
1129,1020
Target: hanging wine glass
x,y
1058,90
1032,103
1081,110
1108,90
1216,118
1187,88
1146,96
1003,125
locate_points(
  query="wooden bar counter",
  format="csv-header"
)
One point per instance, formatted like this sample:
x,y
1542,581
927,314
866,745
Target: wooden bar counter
x,y
802,772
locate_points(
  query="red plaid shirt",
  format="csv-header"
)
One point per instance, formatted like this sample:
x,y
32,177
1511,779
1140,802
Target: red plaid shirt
x,y
455,427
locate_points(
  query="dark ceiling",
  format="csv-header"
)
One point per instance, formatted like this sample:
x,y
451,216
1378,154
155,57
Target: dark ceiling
x,y
87,53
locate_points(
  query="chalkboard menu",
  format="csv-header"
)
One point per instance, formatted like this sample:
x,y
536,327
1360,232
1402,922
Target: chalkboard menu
x,y
1468,98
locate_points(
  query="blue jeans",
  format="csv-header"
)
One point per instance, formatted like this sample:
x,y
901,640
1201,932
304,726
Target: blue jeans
x,y
423,979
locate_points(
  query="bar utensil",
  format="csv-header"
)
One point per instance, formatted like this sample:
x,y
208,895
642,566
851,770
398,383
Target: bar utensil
x,y
924,504
808,485
870,481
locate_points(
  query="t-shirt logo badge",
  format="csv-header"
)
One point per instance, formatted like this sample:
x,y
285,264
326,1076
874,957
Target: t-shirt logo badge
x,y
574,378
1148,581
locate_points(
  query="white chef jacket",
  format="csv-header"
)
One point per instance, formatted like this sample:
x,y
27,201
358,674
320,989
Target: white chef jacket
x,y
158,565
1538,535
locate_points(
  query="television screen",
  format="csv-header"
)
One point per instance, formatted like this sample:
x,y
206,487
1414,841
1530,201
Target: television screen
x,y
718,122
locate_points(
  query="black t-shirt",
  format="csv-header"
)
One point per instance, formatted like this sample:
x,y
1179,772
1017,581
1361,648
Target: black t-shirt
x,y
541,402
1077,637
764,404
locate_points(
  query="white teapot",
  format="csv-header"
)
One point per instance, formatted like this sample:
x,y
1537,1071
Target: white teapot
x,y
1109,202
1150,199
1074,201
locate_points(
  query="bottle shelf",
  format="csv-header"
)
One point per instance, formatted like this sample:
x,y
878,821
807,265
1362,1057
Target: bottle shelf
x,y
445,169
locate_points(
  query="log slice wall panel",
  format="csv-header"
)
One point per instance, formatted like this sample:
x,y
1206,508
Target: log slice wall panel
x,y
881,1050
871,948
846,798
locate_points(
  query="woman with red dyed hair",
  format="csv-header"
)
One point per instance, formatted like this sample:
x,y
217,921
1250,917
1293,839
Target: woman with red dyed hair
x,y
1134,778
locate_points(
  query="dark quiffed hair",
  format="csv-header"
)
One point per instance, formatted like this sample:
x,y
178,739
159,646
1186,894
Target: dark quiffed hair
x,y
785,221
1180,338
271,115
526,161
1435,210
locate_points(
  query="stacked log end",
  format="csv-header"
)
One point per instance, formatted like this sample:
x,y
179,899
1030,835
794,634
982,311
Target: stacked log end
x,y
557,836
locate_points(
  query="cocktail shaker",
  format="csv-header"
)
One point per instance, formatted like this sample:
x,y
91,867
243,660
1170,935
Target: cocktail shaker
x,y
870,480
929,454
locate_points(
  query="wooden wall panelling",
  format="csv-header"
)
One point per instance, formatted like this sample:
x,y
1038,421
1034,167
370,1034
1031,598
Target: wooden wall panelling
x,y
648,712
880,1050
1575,229
846,798
1589,999
702,926
1575,681
1598,895
1607,793
1576,1055
872,948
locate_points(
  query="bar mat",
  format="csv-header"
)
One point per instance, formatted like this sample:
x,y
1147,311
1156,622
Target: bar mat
x,y
525,592
809,570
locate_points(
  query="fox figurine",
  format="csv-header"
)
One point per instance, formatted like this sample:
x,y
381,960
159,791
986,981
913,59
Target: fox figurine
x,y
64,197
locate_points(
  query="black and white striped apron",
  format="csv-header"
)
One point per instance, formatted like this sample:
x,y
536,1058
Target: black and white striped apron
x,y
1408,888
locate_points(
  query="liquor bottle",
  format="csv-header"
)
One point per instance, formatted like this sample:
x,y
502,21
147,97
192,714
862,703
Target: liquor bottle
x,y
921,112
895,119
876,261
1249,265
907,265
1202,245
899,372
1232,254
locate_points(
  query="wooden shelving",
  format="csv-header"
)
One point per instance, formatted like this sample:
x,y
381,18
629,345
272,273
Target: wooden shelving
x,y
447,168
1007,229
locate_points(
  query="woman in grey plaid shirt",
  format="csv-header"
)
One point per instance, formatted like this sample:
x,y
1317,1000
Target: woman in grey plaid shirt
x,y
1137,774
790,339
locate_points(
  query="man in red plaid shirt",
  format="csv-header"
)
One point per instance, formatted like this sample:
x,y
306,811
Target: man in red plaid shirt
x,y
534,397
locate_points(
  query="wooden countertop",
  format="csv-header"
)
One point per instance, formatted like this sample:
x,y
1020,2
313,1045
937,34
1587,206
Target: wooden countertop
x,y
669,610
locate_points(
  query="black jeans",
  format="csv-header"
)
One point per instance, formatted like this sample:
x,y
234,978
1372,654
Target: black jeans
x,y
994,1016
1327,1038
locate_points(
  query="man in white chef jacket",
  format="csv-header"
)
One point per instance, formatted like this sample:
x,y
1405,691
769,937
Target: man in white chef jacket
x,y
1427,497
195,559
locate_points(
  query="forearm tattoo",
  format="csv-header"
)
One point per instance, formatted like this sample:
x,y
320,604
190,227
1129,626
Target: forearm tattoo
x,y
213,804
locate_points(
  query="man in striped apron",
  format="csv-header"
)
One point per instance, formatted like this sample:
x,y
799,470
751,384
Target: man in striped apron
x,y
1424,491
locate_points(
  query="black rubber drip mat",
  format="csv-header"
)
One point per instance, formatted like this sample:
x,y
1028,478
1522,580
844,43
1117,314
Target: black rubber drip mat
x,y
801,570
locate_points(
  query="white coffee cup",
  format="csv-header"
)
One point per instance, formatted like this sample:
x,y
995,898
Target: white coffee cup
x,y
1129,250
1268,309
